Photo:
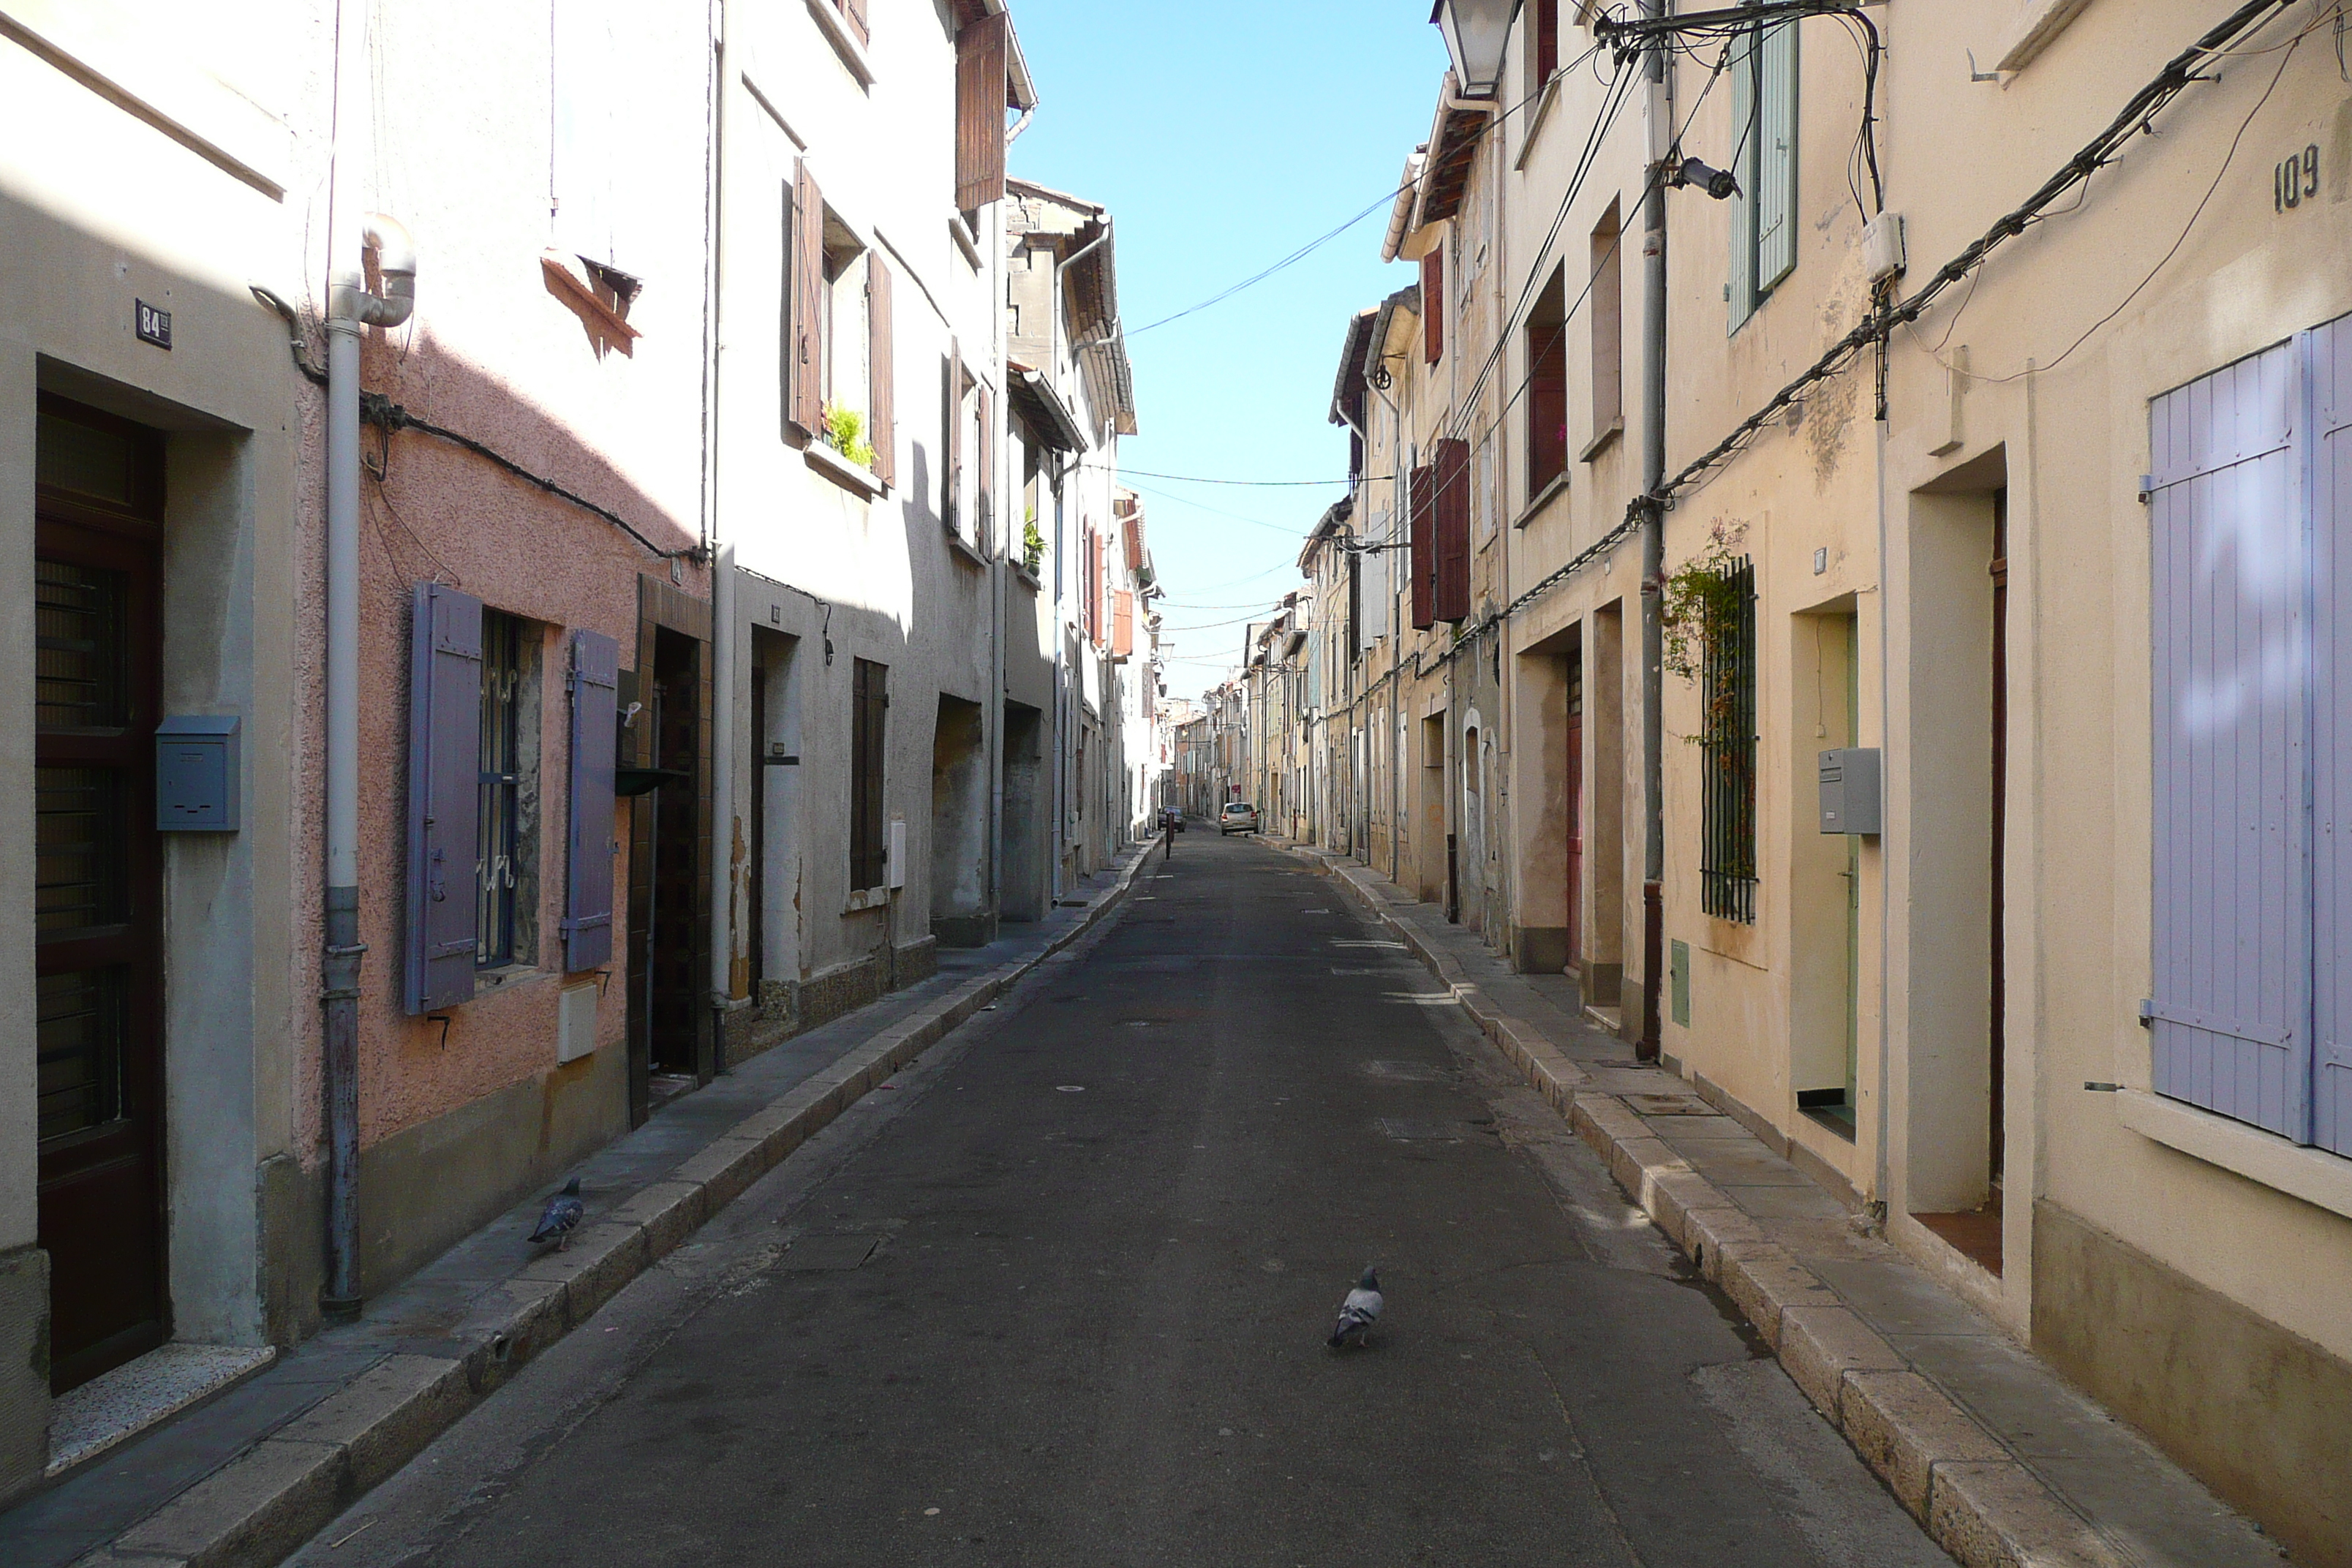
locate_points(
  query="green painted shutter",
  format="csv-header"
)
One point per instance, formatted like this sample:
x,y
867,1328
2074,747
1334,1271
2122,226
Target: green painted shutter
x,y
1740,287
1775,155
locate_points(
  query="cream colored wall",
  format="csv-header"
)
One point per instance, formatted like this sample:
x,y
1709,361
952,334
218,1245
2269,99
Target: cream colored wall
x,y
2074,439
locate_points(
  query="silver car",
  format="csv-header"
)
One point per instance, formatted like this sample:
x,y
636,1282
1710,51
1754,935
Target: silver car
x,y
1239,816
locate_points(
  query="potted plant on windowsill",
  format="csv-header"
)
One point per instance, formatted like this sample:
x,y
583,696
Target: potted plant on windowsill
x,y
1033,548
845,432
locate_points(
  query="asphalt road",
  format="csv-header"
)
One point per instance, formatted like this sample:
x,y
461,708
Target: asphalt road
x,y
1059,1297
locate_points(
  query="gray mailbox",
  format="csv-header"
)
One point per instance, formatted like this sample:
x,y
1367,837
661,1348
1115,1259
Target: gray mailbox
x,y
196,775
1850,790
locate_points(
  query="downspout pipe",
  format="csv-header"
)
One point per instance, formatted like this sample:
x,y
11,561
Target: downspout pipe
x,y
1653,549
351,308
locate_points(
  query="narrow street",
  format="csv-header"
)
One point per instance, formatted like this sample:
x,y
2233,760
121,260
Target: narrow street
x,y
1059,1297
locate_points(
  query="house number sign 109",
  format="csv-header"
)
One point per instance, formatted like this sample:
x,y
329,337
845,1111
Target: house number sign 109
x,y
2296,179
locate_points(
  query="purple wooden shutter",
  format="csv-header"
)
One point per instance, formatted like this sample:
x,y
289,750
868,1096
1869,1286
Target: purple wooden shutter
x,y
2331,581
2231,917
444,739
588,887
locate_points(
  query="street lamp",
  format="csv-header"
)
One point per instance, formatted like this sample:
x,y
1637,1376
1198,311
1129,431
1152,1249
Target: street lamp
x,y
1476,32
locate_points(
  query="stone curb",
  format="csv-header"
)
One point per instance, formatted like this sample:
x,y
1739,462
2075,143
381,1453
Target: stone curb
x,y
262,1505
1974,1498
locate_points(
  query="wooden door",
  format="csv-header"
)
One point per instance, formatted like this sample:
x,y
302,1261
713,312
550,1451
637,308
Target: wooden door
x,y
97,889
1573,776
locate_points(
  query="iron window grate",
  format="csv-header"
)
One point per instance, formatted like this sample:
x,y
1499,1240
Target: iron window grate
x,y
1728,752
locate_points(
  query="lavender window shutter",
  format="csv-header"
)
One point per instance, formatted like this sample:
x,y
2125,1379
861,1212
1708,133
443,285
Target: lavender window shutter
x,y
588,898
2331,584
2230,1015
444,718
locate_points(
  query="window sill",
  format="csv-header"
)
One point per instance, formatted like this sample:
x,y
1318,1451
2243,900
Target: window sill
x,y
1536,121
507,977
1037,585
1556,488
2037,26
961,232
964,547
2319,1178
835,28
1602,438
863,899
853,477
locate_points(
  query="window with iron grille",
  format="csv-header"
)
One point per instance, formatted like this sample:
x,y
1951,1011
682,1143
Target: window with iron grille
x,y
1727,749
499,797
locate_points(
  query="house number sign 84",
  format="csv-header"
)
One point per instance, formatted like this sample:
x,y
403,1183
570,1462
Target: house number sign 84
x,y
2296,179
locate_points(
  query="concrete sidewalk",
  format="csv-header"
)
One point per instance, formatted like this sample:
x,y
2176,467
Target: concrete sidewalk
x,y
246,1477
2005,1464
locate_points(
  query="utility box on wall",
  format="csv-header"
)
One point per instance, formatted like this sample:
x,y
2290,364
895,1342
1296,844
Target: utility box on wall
x,y
1851,791
196,775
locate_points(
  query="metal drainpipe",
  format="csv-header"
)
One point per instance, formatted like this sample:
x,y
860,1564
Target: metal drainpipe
x,y
726,633
1654,555
350,309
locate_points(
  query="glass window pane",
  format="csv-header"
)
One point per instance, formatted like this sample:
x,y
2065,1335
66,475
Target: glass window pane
x,y
80,681
80,1032
80,876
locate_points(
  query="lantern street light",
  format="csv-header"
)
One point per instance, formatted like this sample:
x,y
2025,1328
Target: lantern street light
x,y
1476,32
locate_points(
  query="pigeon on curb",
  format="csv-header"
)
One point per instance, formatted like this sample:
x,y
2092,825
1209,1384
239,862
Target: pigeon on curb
x,y
564,1212
1357,1312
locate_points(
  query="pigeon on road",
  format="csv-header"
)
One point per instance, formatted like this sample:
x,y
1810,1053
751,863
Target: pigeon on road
x,y
564,1212
1357,1312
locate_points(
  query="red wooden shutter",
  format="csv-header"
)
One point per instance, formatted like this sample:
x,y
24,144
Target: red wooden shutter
x,y
1547,13
981,55
1433,303
805,374
1122,624
855,10
1131,531
1451,597
882,372
588,891
1422,553
445,733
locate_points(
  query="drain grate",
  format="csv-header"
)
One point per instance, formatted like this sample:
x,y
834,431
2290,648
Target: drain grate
x,y
1669,1105
810,1254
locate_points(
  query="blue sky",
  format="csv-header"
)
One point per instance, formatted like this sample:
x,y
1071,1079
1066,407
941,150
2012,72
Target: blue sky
x,y
1222,135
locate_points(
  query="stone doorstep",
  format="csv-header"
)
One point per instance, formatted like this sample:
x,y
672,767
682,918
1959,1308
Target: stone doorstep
x,y
1976,1500
262,1505
119,1405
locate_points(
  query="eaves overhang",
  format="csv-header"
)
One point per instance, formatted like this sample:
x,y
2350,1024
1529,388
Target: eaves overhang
x,y
1041,408
1453,143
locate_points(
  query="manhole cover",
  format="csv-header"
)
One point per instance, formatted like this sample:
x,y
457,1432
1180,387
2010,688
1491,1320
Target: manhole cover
x,y
1669,1105
811,1253
1406,1072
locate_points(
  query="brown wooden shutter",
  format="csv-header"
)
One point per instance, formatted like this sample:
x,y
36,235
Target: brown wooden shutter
x,y
882,371
1122,624
984,530
1451,597
1433,303
1546,18
805,375
1422,552
855,10
981,55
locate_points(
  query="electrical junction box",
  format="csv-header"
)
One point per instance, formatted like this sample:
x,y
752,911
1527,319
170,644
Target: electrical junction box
x,y
575,1021
1851,791
196,775
1882,245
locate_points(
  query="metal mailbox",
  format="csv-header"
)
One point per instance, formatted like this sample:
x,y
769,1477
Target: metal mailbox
x,y
196,775
1851,790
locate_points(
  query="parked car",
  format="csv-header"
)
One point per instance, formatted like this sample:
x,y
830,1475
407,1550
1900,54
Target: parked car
x,y
1171,817
1239,816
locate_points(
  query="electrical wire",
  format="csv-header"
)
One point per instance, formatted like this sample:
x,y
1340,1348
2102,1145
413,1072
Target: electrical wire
x,y
1266,484
1493,122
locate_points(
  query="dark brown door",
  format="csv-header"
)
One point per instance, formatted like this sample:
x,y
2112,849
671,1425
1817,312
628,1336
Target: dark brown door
x,y
97,891
1574,775
673,996
1999,1002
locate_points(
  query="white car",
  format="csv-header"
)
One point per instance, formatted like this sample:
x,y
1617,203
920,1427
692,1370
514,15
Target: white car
x,y
1239,816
